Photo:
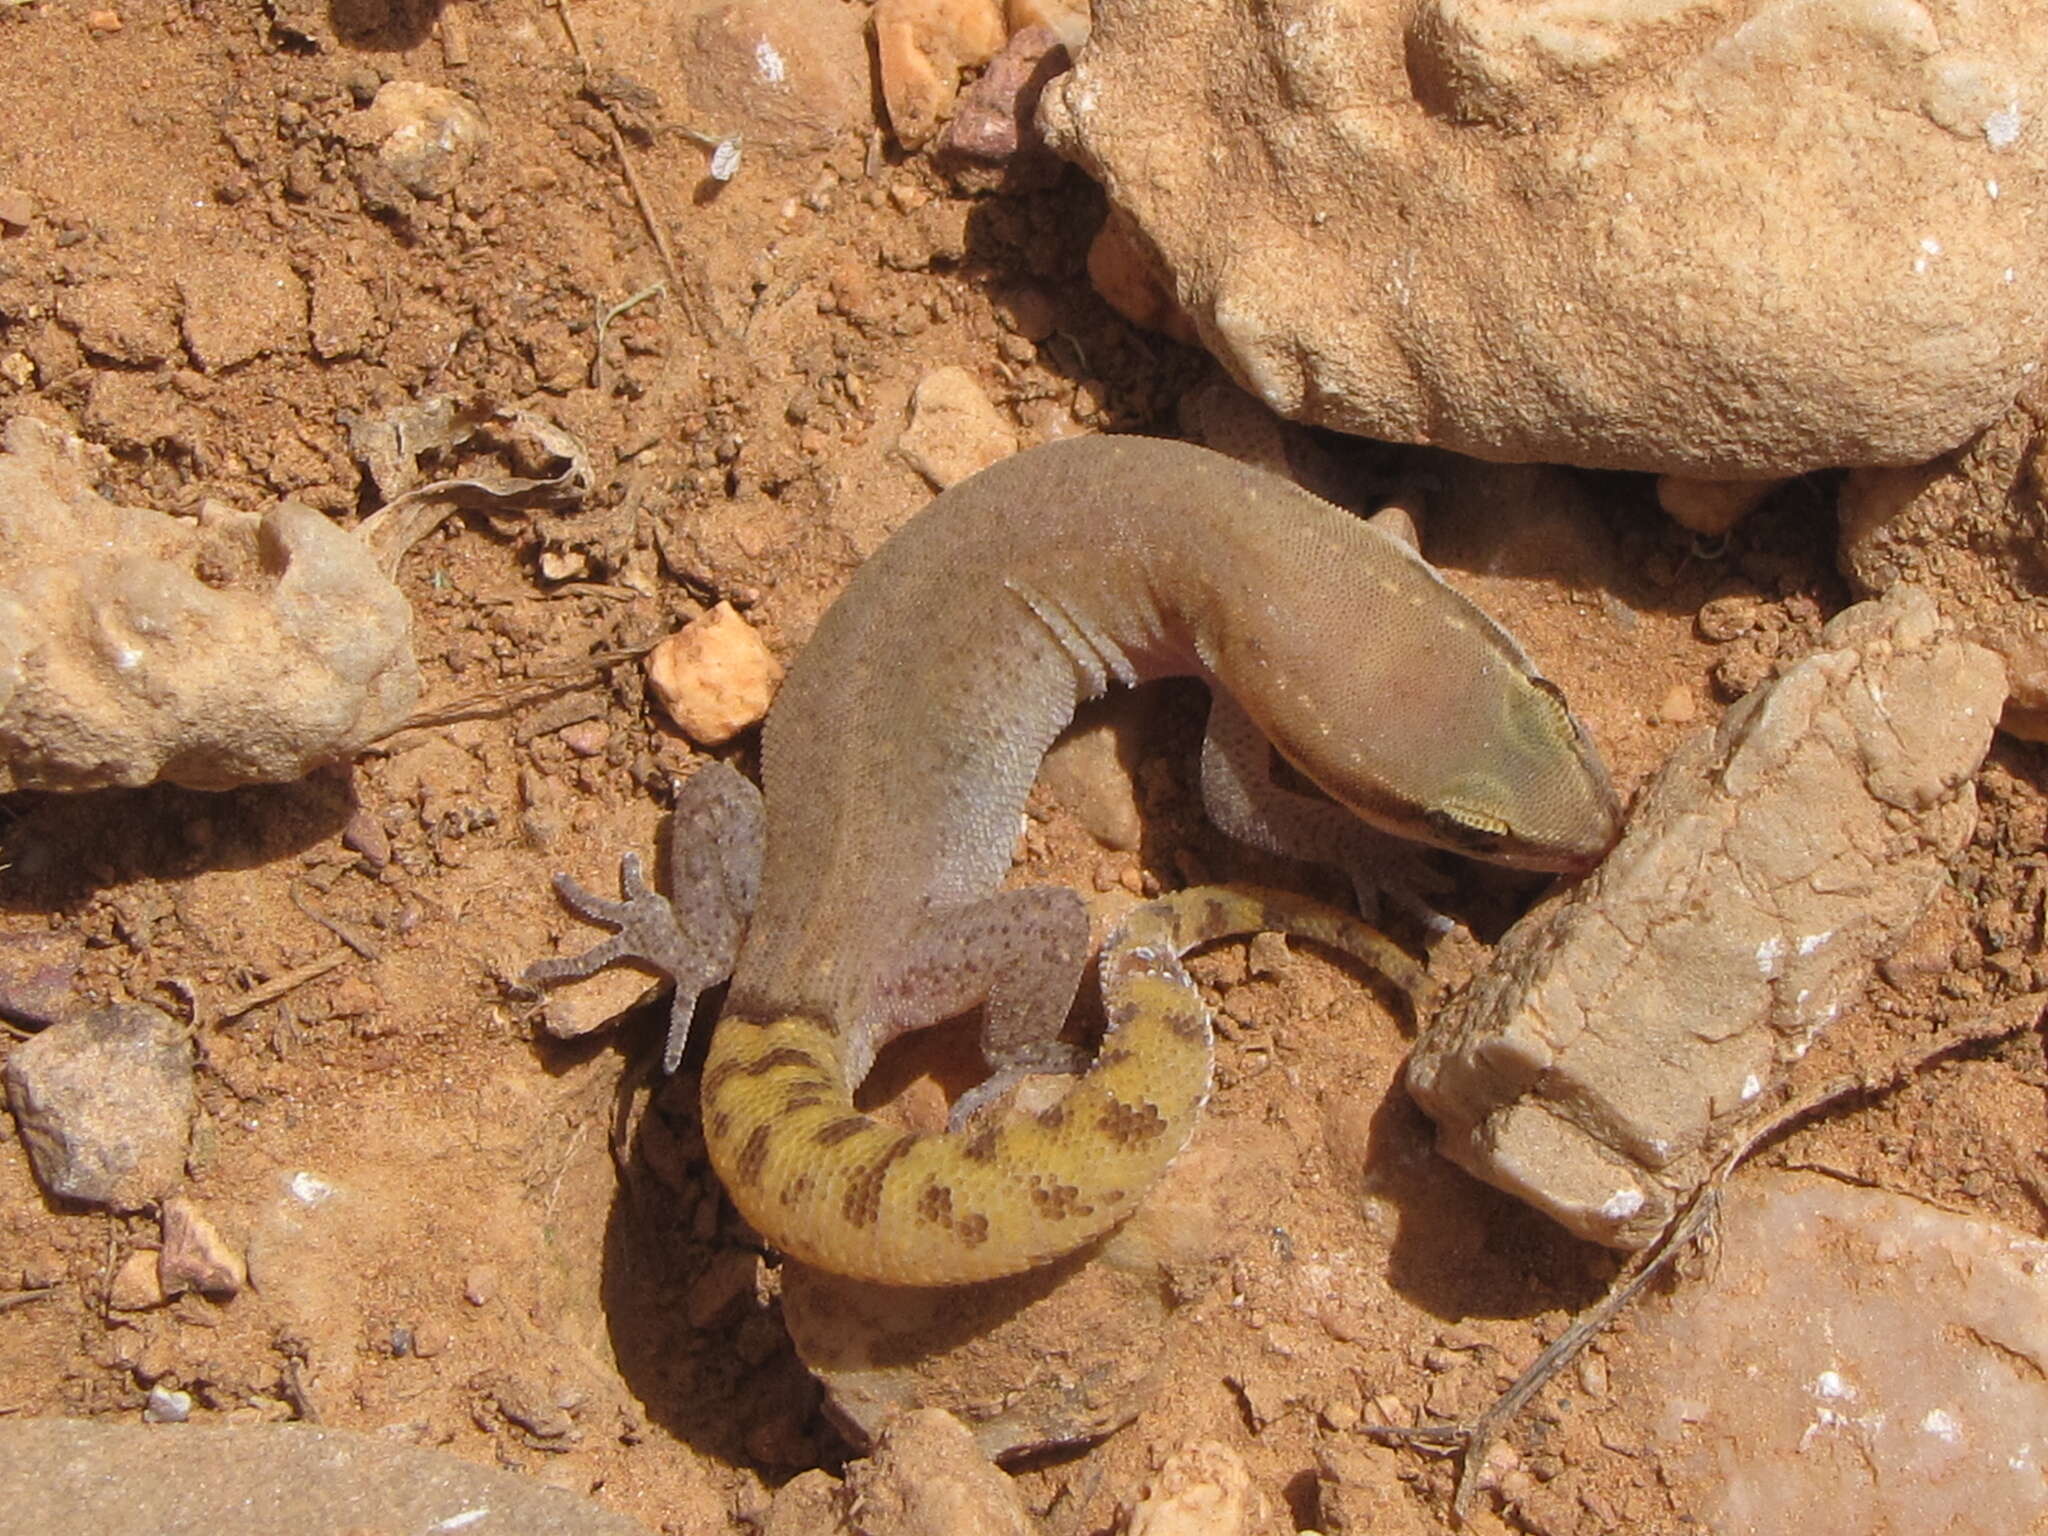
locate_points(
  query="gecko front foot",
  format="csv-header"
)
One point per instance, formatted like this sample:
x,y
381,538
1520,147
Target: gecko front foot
x,y
693,939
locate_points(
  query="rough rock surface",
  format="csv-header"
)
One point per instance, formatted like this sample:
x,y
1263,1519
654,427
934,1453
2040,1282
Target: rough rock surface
x,y
927,1478
1972,529
104,1105
1903,1387
252,1479
425,136
136,647
1771,864
1722,238
1201,1490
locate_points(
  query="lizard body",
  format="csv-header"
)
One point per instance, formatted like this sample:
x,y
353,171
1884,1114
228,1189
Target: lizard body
x,y
895,767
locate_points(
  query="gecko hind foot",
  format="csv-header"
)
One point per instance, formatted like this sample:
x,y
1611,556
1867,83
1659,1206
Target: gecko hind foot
x,y
1052,1058
647,934
692,936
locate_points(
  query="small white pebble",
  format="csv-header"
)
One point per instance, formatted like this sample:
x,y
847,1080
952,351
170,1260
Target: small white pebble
x,y
166,1406
310,1188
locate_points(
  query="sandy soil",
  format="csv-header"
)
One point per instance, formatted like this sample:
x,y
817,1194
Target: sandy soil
x,y
530,1264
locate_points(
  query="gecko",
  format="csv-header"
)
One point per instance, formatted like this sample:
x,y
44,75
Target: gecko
x,y
857,894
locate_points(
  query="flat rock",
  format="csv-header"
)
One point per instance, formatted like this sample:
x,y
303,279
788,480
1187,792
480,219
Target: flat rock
x,y
1905,1380
104,1105
36,971
1727,239
63,1475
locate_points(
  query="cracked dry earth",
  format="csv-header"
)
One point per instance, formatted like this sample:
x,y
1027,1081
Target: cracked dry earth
x,y
531,1265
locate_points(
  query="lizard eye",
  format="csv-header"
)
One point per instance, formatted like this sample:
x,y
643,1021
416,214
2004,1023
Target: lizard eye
x,y
1466,829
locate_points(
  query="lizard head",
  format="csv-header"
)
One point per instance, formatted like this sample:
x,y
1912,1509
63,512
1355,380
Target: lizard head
x,y
1526,788
1431,724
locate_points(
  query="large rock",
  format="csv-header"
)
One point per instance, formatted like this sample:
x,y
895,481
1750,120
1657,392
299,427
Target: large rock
x,y
1720,238
1621,1033
137,647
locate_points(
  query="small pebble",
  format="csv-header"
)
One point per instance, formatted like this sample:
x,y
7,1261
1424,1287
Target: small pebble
x,y
1268,955
1203,1490
195,1256
954,429
36,971
367,838
1029,311
426,136
480,1285
41,1268
103,21
135,1286
920,48
16,209
564,565
714,677
1729,618
587,1003
104,1104
1086,774
928,1474
1710,507
526,1403
587,738
1593,1375
993,139
1678,706
166,1405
